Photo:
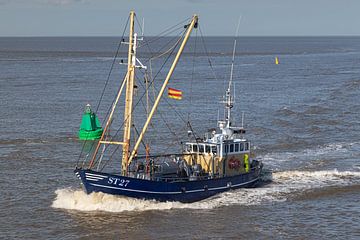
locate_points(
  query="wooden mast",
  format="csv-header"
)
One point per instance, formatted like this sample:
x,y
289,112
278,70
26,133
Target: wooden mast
x,y
190,28
129,96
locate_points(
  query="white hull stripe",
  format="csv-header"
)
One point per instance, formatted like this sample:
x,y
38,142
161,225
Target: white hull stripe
x,y
92,179
100,178
95,175
235,185
190,191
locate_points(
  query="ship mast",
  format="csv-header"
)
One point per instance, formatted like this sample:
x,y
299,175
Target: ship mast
x,y
229,100
190,27
129,80
129,94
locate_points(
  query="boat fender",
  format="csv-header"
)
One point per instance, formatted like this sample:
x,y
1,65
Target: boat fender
x,y
246,162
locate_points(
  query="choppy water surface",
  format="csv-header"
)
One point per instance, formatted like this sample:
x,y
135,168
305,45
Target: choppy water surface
x,y
301,115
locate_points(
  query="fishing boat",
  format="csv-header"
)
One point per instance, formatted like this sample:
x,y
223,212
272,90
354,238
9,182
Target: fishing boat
x,y
218,162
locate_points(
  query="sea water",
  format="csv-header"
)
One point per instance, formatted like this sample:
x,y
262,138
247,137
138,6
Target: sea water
x,y
302,117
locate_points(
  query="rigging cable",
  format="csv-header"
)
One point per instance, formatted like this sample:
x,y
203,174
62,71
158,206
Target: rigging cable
x,y
168,30
162,117
152,82
141,98
207,54
93,144
112,65
192,75
169,104
103,91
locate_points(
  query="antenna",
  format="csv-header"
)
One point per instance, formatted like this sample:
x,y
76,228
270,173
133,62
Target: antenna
x,y
242,119
234,93
233,54
143,27
228,98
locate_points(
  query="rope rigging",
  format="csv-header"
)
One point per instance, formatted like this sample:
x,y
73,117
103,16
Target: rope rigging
x,y
166,32
137,103
192,76
104,88
207,54
106,83
150,83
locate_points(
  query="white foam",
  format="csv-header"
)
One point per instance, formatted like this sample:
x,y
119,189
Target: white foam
x,y
78,200
290,181
335,150
283,185
328,149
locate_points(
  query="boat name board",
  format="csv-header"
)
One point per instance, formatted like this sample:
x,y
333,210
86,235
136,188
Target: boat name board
x,y
118,181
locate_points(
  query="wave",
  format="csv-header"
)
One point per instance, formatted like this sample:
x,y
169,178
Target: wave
x,y
317,110
59,139
285,111
333,150
278,187
87,59
329,148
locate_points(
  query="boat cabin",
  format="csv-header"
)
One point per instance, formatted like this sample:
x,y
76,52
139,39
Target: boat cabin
x,y
219,157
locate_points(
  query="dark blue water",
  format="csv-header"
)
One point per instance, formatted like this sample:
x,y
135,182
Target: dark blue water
x,y
301,115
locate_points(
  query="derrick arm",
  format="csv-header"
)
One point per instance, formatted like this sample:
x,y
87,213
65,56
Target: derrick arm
x,y
189,30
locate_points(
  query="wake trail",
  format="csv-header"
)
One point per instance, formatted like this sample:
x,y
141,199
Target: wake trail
x,y
280,186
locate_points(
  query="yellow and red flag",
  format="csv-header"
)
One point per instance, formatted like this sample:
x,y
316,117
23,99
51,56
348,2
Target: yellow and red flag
x,y
174,93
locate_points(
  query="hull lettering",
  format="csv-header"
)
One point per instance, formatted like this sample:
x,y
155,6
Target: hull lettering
x,y
118,181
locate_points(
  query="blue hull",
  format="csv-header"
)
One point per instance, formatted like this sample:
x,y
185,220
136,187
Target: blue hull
x,y
186,191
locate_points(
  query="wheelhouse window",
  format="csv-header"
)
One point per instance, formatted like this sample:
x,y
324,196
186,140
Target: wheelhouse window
x,y
231,148
247,146
236,147
188,148
207,148
201,148
241,147
213,149
226,148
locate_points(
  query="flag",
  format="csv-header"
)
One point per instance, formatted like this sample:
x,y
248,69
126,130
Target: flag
x,y
174,93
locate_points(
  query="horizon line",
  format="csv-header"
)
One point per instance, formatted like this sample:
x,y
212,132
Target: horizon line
x,y
118,36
